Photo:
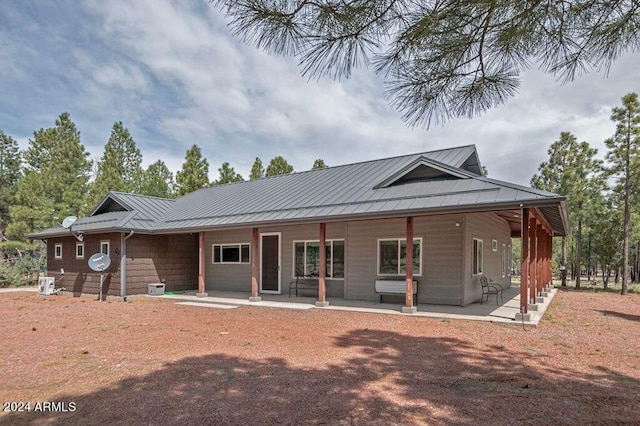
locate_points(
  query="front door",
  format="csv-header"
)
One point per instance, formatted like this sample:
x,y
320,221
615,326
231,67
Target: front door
x,y
270,263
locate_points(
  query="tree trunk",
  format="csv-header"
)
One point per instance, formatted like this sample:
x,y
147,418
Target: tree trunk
x,y
563,269
579,252
589,258
616,278
605,278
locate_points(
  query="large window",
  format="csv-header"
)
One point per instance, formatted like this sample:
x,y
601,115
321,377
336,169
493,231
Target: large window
x,y
57,251
504,261
306,258
392,256
232,253
477,256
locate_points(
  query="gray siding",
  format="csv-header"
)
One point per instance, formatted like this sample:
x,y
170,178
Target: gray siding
x,y
487,227
229,277
440,282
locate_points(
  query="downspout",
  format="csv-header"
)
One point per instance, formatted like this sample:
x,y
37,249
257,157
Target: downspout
x,y
123,264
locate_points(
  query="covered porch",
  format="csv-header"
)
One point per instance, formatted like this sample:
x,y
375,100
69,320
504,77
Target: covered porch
x,y
505,312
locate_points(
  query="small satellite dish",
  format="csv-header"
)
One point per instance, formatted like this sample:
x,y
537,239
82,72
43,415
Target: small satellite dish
x,y
69,221
99,262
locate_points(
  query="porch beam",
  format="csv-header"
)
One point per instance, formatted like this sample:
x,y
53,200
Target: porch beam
x,y
322,275
201,263
255,269
524,270
409,308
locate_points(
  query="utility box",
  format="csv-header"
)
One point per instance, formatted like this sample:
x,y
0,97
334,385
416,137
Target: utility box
x,y
156,289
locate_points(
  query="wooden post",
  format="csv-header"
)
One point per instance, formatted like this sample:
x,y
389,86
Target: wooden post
x,y
322,289
524,270
255,269
539,259
532,260
201,263
409,264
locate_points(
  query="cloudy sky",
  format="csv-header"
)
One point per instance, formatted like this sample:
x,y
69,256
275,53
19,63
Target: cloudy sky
x,y
174,75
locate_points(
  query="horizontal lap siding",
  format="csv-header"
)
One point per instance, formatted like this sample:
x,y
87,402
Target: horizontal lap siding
x,y
441,257
487,227
237,277
227,277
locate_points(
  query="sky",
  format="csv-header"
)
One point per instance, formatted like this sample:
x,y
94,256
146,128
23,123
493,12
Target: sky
x,y
174,74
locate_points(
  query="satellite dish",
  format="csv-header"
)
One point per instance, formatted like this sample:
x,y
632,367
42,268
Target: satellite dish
x,y
99,262
69,221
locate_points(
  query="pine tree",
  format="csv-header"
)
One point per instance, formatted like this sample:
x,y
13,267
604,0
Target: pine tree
x,y
319,164
572,170
10,158
441,59
195,172
55,179
119,168
228,175
279,166
257,170
157,181
624,160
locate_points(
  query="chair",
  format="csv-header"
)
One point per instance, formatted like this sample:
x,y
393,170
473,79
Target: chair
x,y
489,288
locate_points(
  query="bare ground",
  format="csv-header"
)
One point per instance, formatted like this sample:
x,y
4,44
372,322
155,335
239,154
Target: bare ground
x,y
151,361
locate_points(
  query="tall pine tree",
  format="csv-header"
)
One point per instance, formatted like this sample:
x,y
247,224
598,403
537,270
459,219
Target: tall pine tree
x,y
228,175
157,181
624,160
56,172
572,170
257,170
319,164
279,166
119,168
195,172
10,158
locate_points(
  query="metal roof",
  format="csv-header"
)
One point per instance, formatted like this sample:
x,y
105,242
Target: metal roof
x,y
451,182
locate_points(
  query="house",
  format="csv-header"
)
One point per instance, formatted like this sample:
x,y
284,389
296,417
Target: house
x,y
257,236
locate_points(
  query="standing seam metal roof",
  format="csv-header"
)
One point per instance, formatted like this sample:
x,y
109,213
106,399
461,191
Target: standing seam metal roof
x,y
339,192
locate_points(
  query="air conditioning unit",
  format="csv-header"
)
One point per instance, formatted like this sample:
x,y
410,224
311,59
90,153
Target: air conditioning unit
x,y
46,286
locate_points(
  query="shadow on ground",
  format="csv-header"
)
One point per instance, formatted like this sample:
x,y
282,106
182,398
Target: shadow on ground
x,y
389,378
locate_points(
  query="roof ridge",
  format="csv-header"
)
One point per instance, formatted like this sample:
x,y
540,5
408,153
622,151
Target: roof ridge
x,y
141,195
339,166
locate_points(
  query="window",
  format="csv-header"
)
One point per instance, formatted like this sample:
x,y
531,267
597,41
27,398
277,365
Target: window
x,y
231,253
104,247
504,261
494,245
79,250
477,256
392,256
57,251
306,258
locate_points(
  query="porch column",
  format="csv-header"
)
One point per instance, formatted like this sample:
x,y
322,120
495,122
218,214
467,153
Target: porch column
x,y
532,260
540,259
524,269
409,308
255,269
201,262
322,273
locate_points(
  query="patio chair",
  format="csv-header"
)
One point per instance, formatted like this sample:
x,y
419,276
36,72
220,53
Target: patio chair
x,y
489,288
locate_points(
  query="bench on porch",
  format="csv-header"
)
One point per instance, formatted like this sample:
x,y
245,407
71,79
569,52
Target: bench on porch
x,y
395,287
302,282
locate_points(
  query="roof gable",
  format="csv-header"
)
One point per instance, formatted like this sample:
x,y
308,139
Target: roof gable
x,y
423,169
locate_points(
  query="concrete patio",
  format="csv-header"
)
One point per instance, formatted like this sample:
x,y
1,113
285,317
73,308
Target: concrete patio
x,y
488,311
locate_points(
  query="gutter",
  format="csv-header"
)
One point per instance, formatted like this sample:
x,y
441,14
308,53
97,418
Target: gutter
x,y
123,264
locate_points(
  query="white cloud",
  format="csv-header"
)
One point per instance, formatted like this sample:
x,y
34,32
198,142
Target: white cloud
x,y
175,76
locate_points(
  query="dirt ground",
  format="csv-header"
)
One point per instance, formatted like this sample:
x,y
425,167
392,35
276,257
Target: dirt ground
x,y
150,361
